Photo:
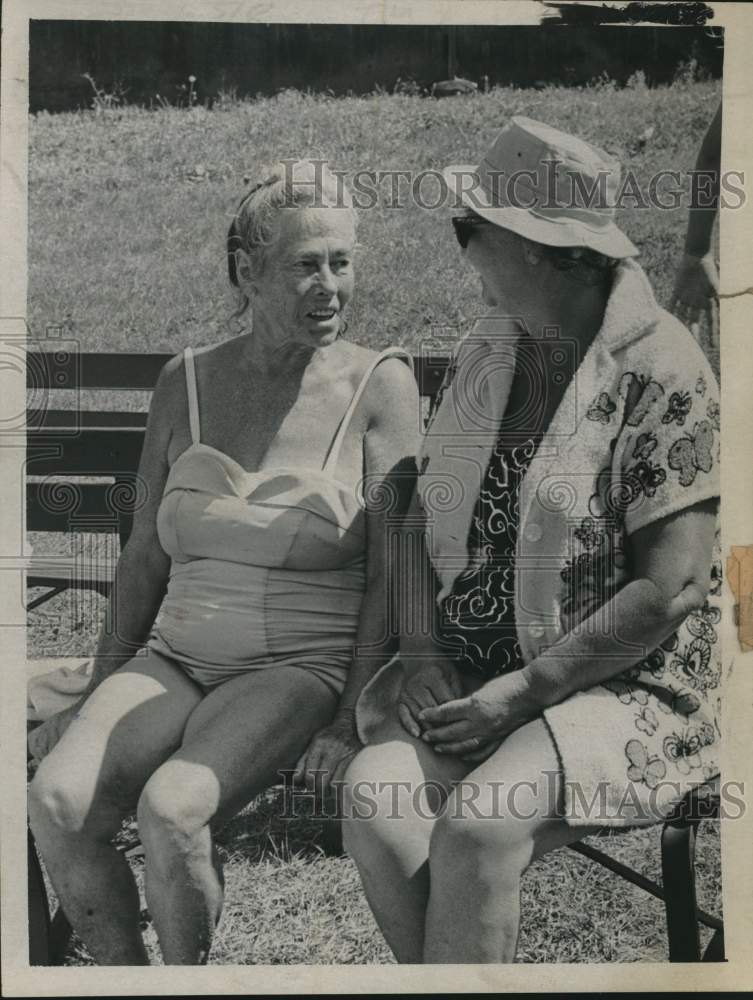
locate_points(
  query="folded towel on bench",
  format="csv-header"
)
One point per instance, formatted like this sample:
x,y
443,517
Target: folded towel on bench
x,y
51,687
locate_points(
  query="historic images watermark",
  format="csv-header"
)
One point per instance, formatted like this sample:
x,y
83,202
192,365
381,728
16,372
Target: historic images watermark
x,y
544,190
501,801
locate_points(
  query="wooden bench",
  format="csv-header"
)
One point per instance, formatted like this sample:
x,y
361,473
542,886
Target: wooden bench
x,y
81,480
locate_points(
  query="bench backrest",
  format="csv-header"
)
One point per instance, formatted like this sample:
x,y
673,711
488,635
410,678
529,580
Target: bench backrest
x,y
68,448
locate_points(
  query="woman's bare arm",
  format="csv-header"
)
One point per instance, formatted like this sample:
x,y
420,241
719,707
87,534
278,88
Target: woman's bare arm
x,y
390,446
701,217
671,573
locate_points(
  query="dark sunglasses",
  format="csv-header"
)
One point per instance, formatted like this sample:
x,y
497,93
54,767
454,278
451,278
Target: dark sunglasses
x,y
464,226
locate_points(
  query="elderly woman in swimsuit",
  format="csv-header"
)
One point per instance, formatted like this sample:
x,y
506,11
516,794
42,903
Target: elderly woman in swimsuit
x,y
565,676
253,575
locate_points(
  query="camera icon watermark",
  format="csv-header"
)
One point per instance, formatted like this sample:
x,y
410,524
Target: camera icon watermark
x,y
30,370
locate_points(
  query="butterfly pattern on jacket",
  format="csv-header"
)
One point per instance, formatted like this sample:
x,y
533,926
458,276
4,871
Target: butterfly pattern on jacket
x,y
601,409
691,453
684,749
641,393
681,703
656,661
674,682
653,456
646,721
679,406
589,579
701,622
694,667
645,445
642,766
628,692
589,534
645,478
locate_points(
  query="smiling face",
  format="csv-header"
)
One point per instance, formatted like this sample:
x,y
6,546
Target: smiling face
x,y
307,277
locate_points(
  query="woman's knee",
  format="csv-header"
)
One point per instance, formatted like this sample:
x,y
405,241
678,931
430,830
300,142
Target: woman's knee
x,y
478,831
176,804
61,800
375,783
385,805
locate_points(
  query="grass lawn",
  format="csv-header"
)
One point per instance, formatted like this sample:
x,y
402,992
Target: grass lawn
x,y
128,212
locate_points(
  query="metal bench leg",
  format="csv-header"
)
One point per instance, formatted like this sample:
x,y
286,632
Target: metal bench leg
x,y
715,948
61,933
48,938
39,912
678,872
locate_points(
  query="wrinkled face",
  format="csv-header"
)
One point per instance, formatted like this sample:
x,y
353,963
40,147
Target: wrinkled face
x,y
497,257
307,277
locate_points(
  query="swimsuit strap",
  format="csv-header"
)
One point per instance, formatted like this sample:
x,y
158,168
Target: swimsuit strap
x,y
334,449
193,396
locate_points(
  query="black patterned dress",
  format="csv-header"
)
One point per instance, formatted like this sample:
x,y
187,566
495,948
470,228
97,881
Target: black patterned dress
x,y
478,616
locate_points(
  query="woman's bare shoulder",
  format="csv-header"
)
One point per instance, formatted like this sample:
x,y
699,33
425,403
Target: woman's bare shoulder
x,y
170,392
362,358
391,392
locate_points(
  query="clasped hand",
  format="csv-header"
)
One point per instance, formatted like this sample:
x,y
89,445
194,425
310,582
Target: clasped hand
x,y
433,707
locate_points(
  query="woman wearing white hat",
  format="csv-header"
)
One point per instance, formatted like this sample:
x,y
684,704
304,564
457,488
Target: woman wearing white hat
x,y
562,668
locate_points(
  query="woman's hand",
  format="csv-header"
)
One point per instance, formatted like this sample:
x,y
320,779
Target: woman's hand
x,y
328,754
696,294
479,722
485,750
45,738
433,683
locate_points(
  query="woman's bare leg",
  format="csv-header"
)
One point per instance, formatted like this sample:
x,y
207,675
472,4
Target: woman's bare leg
x,y
235,744
393,790
90,781
484,841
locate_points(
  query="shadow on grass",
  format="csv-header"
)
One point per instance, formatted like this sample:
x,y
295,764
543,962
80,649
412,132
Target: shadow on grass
x,y
281,825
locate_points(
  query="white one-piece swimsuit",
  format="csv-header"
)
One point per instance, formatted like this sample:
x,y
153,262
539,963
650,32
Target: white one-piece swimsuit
x,y
268,567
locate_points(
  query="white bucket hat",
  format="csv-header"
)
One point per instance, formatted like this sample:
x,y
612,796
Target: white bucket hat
x,y
546,185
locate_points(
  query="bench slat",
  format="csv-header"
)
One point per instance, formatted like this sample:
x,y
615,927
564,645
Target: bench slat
x,y
67,370
111,451
75,506
72,421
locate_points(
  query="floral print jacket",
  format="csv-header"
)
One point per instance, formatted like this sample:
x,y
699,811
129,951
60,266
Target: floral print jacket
x,y
635,439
